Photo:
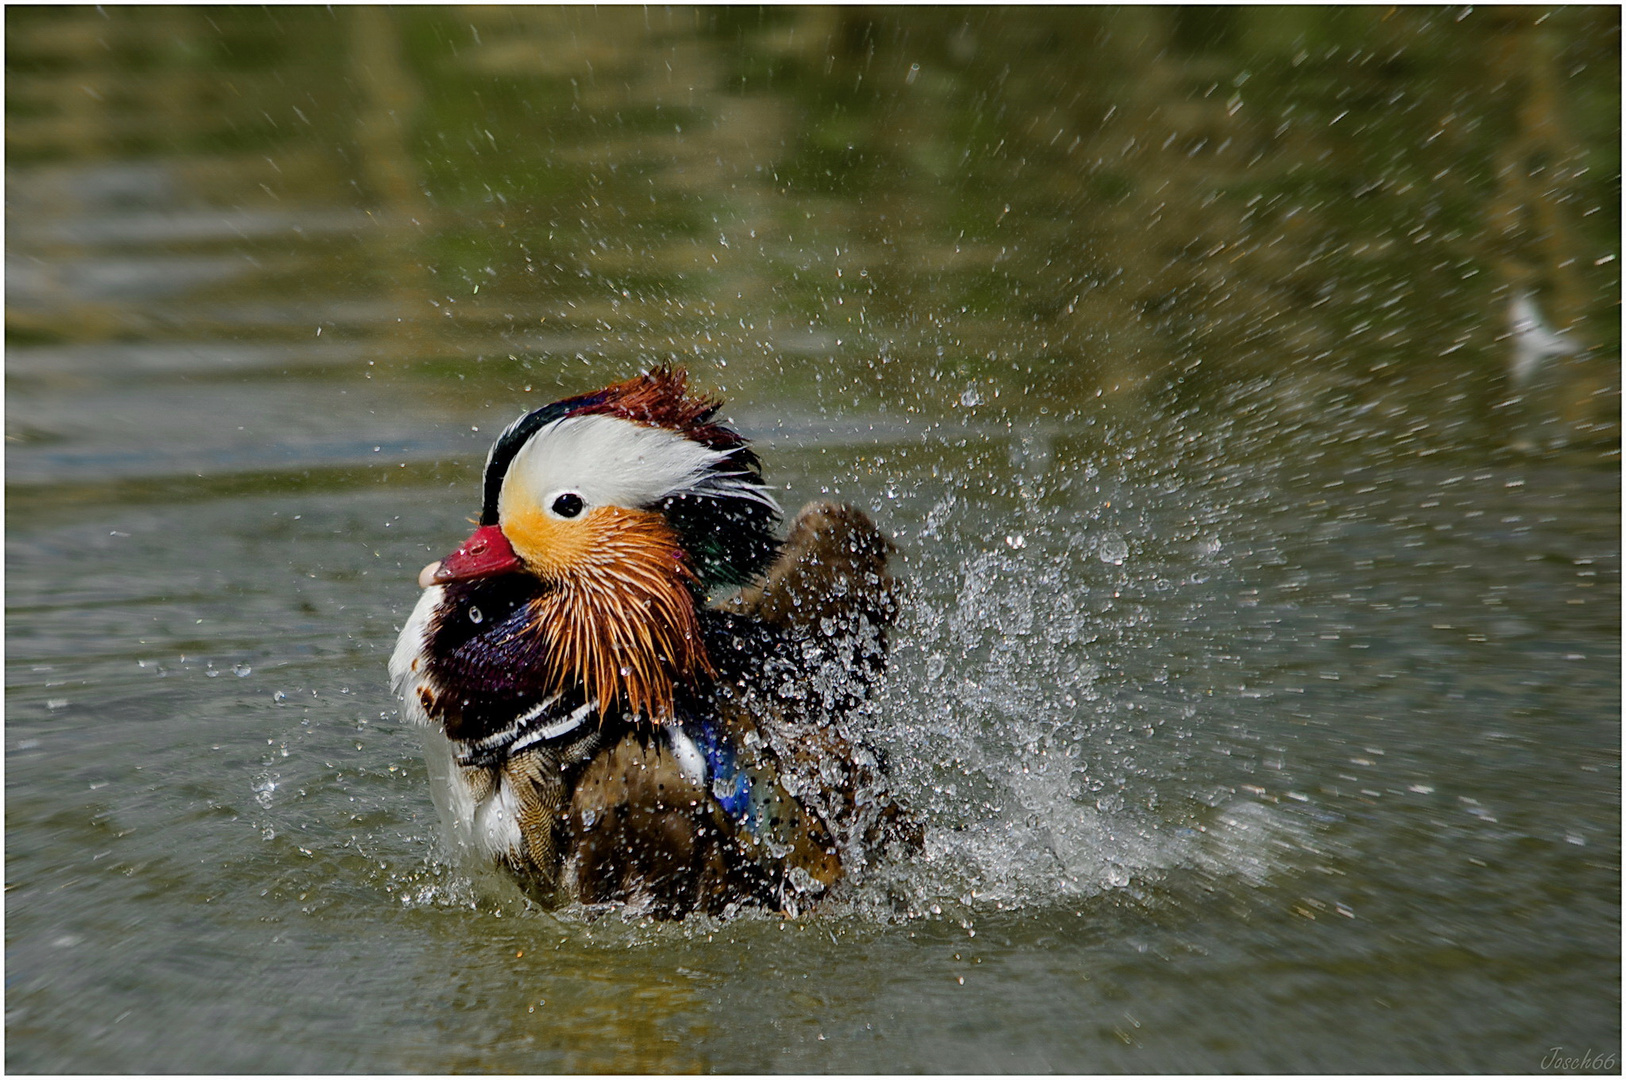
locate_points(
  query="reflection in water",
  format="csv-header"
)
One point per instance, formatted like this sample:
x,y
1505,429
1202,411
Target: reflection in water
x,y
1241,385
387,104
1154,200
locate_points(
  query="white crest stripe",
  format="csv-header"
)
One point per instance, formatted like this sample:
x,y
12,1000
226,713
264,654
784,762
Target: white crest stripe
x,y
611,461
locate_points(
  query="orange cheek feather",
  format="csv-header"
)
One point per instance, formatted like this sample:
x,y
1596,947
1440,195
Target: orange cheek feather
x,y
552,548
620,615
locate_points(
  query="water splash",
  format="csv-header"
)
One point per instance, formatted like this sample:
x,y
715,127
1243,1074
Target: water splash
x,y
1052,714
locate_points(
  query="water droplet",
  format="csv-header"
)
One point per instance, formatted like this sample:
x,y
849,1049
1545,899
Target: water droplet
x,y
242,671
476,616
1112,548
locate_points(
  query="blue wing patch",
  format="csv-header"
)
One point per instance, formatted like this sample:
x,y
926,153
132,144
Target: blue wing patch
x,y
730,785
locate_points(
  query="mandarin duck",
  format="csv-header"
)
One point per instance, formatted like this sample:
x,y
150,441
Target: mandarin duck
x,y
599,725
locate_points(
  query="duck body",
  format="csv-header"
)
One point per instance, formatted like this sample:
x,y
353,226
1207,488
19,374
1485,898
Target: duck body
x,y
595,729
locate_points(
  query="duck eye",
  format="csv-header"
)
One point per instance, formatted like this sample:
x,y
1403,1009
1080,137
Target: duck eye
x,y
568,505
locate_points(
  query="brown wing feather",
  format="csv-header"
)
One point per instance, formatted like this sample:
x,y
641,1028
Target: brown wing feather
x,y
830,587
638,831
832,565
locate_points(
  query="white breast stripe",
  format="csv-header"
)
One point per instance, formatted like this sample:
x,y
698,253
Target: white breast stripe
x,y
514,729
577,717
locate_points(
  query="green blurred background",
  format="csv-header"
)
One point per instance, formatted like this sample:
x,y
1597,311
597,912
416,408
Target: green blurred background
x,y
1054,200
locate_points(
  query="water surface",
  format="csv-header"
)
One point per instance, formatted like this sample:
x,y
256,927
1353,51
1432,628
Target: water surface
x,y
1260,680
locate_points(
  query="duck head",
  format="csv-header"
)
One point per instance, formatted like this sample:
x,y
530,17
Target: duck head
x,y
620,510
